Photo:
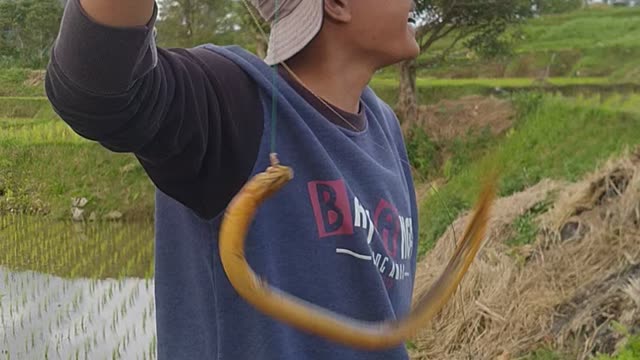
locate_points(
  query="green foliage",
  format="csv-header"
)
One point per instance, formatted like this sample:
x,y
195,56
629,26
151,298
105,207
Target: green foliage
x,y
542,354
464,150
473,21
582,32
526,104
426,156
621,102
524,226
606,61
431,159
587,42
443,208
557,6
630,352
20,82
631,348
44,164
22,107
496,42
188,23
411,345
422,152
557,62
13,83
27,31
28,28
555,139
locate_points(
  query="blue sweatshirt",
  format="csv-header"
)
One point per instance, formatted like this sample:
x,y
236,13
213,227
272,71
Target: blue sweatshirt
x,y
342,234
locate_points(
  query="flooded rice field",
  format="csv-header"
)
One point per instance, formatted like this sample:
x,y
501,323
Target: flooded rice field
x,y
76,290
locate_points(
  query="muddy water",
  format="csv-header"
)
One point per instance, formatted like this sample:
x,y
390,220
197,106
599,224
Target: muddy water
x,y
69,292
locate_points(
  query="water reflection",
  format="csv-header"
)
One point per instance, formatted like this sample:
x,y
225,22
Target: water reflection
x,y
71,291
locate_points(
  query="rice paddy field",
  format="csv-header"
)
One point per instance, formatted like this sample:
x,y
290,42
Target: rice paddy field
x,y
48,317
76,250
73,290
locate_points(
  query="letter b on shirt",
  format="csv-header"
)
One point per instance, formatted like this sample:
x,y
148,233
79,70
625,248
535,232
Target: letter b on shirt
x,y
330,207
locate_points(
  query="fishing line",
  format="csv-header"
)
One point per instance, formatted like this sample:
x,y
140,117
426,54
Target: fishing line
x,y
274,119
274,101
274,73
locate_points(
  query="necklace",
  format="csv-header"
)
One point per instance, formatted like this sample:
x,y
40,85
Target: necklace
x,y
293,74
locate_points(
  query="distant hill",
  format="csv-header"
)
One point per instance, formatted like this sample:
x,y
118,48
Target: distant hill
x,y
598,41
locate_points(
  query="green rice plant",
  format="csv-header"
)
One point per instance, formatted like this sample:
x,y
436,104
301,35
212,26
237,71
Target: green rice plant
x,y
53,247
38,132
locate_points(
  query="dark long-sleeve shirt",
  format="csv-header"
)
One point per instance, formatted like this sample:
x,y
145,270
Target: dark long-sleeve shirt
x,y
191,116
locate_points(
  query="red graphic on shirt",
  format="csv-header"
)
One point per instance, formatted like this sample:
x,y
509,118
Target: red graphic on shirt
x,y
331,207
386,220
388,282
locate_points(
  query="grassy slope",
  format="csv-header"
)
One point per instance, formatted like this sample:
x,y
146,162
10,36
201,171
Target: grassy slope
x,y
554,138
594,42
44,165
13,83
584,29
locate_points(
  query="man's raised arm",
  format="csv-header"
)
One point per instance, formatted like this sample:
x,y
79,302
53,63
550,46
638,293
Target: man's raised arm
x,y
192,118
119,13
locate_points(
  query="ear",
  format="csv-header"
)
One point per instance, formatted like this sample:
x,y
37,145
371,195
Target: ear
x,y
338,10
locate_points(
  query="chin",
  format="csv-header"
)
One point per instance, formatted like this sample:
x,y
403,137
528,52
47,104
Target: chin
x,y
414,47
409,52
413,52
406,49
402,50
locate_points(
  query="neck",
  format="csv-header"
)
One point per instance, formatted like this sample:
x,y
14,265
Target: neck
x,y
335,76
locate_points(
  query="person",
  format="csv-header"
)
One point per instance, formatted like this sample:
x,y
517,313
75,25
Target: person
x,y
202,121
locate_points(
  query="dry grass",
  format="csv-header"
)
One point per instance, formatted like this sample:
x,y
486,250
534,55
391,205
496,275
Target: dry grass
x,y
36,78
453,119
562,291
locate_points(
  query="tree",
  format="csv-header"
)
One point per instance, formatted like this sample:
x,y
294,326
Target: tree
x,y
479,23
28,29
186,23
256,29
